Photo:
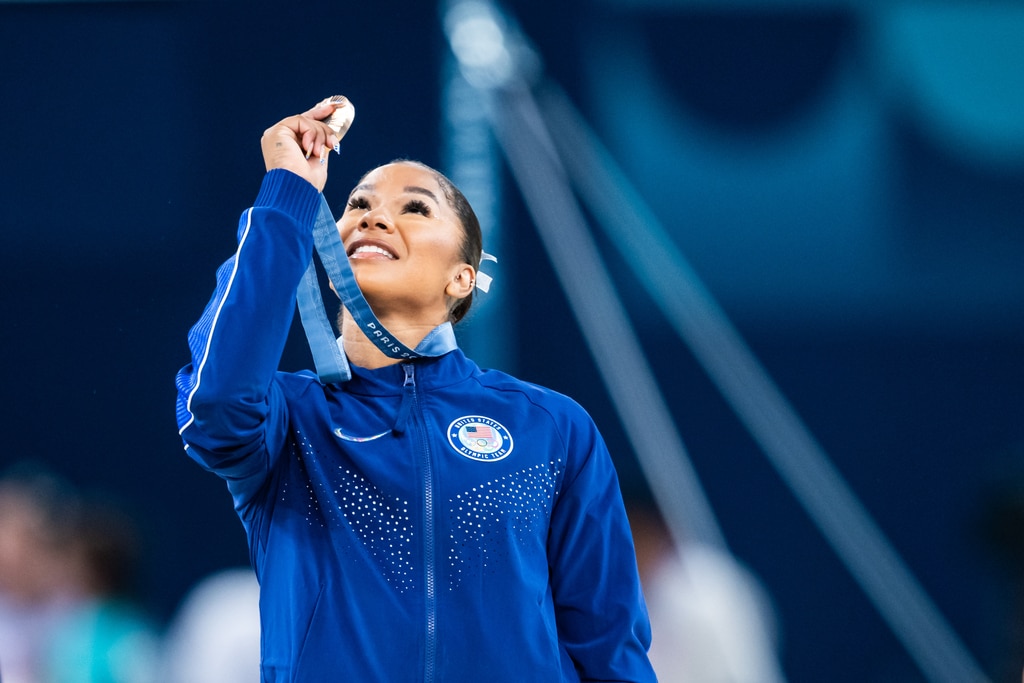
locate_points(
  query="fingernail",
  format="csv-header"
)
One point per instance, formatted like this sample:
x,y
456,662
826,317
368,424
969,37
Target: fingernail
x,y
337,148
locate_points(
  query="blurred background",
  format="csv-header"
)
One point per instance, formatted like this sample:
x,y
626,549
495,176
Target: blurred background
x,y
846,179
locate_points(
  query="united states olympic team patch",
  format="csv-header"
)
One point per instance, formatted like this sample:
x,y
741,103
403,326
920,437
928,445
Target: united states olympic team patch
x,y
480,438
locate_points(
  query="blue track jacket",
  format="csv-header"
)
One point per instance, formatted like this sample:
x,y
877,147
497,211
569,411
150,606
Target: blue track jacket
x,y
427,521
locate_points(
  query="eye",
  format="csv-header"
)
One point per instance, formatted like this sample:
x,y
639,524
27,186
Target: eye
x,y
358,203
416,206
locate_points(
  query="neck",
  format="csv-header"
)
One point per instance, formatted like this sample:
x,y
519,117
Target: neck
x,y
364,353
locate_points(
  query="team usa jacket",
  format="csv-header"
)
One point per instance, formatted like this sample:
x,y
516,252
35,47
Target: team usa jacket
x,y
426,521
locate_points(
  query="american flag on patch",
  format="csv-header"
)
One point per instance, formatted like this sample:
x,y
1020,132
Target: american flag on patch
x,y
480,431
481,438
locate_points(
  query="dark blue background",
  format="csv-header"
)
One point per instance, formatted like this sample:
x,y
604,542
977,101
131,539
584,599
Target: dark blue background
x,y
883,295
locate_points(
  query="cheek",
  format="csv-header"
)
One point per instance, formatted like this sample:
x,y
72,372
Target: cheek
x,y
443,257
445,247
344,229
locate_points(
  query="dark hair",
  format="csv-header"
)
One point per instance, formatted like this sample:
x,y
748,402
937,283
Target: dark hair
x,y
472,237
107,540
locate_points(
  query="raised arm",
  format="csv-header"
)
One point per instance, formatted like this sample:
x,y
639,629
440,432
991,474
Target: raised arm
x,y
230,416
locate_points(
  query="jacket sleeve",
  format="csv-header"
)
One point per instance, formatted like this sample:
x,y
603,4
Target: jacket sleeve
x,y
230,412
599,606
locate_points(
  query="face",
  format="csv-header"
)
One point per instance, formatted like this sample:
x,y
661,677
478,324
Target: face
x,y
30,558
404,240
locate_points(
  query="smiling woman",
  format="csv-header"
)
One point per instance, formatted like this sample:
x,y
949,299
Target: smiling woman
x,y
424,520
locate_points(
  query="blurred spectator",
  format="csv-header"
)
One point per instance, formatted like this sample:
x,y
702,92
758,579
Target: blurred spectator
x,y
215,635
66,565
35,595
711,621
105,637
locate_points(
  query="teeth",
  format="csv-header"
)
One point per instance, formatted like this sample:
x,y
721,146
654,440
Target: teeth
x,y
370,249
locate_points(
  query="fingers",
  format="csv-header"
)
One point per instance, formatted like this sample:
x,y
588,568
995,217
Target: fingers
x,y
315,137
321,110
300,136
310,129
309,133
302,143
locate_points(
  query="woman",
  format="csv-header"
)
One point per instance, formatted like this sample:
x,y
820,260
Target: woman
x,y
425,520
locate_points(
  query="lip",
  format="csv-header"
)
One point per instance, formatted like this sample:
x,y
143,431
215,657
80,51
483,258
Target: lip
x,y
379,244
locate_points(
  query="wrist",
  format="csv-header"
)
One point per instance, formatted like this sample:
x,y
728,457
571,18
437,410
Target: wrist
x,y
290,193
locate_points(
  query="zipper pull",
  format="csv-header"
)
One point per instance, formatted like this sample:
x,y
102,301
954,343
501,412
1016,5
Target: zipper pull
x,y
408,395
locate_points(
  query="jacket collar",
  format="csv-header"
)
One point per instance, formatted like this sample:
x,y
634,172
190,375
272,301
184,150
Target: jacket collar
x,y
430,373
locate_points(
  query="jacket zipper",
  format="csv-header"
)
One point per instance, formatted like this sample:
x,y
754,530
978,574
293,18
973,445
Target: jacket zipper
x,y
430,654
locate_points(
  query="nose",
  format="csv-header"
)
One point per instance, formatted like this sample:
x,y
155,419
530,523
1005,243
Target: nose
x,y
376,218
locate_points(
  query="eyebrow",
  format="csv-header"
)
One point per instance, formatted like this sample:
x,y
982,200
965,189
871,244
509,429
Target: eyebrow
x,y
421,190
408,188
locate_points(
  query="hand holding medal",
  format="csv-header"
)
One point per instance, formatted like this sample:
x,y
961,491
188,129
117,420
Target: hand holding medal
x,y
301,143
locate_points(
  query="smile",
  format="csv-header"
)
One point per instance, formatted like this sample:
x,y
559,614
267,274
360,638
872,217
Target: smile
x,y
371,251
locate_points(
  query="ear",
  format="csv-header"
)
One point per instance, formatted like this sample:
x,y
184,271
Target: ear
x,y
462,281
